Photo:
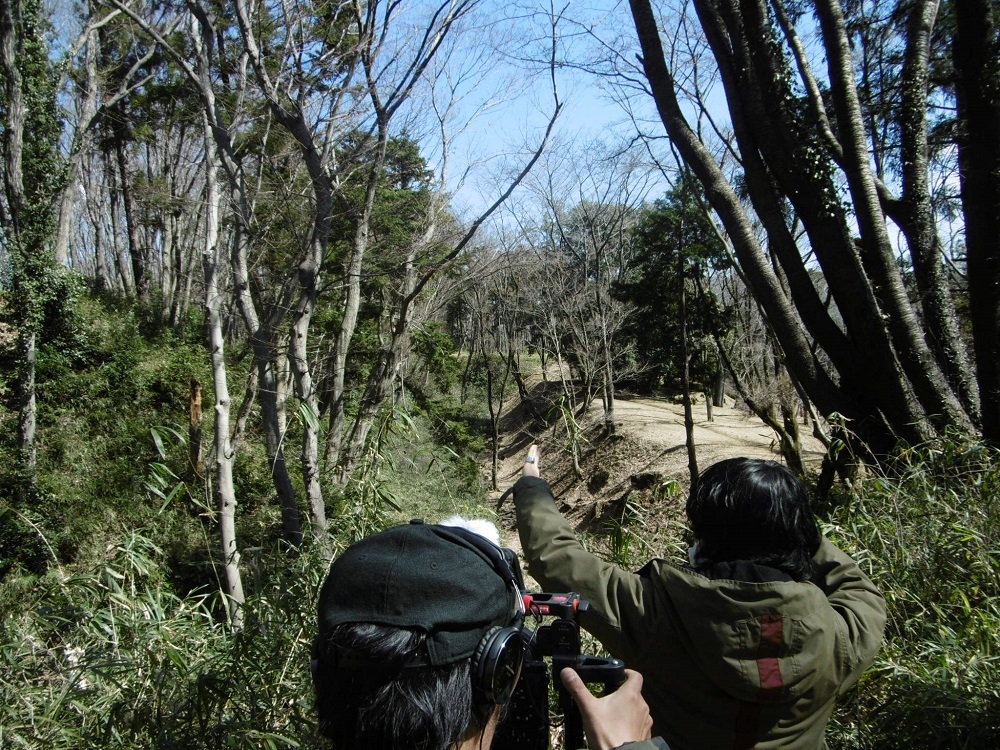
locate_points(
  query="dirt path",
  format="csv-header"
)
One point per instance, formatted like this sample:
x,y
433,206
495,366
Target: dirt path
x,y
732,432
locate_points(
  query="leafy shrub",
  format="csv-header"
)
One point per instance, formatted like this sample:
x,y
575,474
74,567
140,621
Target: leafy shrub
x,y
112,658
432,344
927,531
102,383
406,471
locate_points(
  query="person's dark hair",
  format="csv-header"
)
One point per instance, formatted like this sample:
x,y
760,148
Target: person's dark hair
x,y
430,708
756,510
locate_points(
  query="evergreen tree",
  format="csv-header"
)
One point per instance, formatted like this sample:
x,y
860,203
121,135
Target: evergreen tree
x,y
675,245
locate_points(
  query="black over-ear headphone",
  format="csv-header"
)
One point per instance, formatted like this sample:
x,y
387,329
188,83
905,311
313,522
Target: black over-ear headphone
x,y
496,661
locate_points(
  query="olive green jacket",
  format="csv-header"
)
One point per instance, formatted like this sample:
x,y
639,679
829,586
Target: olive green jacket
x,y
726,663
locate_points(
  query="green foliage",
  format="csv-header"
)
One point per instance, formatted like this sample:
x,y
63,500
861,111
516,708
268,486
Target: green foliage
x,y
633,528
927,532
161,481
675,244
623,531
576,436
402,196
110,657
458,430
39,291
32,149
42,166
362,506
458,426
101,384
432,344
407,471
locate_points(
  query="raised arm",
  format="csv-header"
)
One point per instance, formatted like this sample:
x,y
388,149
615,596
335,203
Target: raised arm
x,y
559,562
859,604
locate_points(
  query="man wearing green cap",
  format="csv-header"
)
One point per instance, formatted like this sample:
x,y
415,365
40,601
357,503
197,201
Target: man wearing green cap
x,y
419,646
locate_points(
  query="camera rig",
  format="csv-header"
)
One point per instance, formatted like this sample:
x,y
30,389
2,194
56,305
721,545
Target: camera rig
x,y
525,725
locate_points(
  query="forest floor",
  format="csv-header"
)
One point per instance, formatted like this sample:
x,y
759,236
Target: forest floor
x,y
645,461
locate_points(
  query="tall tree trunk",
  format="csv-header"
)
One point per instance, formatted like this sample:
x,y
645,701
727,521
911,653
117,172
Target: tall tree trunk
x,y
298,357
495,410
262,342
975,53
102,275
182,299
565,379
96,210
922,369
168,271
175,310
386,368
127,283
607,364
338,360
11,23
224,455
27,452
88,110
67,203
273,439
465,373
348,324
689,442
943,333
719,392
137,254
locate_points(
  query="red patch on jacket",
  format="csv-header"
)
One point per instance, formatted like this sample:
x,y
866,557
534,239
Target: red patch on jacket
x,y
771,682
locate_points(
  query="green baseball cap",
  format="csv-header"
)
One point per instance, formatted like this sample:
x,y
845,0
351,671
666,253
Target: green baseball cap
x,y
446,582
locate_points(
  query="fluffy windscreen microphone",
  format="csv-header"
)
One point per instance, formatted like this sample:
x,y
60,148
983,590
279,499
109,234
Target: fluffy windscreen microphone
x,y
485,529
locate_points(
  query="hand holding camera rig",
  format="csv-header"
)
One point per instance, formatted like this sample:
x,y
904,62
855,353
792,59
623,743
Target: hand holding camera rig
x,y
526,723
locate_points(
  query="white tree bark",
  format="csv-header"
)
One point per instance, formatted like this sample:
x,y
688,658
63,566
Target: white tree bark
x,y
224,453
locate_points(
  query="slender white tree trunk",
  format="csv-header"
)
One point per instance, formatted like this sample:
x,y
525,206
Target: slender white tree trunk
x,y
224,454
28,408
305,388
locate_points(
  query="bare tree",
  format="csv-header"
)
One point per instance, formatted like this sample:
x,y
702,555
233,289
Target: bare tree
x,y
591,200
499,323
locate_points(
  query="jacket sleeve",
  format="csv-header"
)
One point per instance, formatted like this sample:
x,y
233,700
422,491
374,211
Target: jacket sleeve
x,y
859,605
620,601
656,743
